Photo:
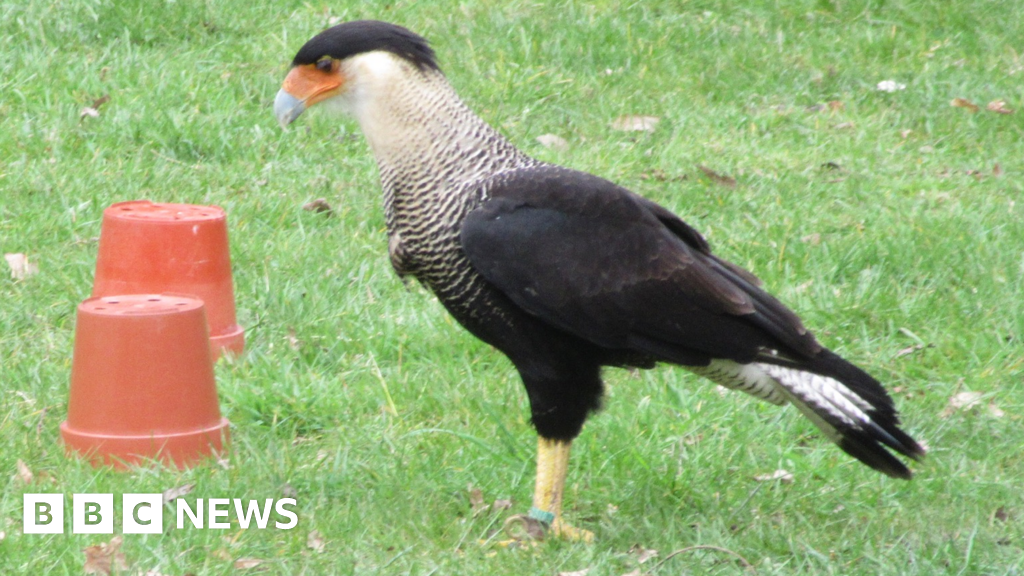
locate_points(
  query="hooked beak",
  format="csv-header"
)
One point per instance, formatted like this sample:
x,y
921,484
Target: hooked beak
x,y
287,108
304,86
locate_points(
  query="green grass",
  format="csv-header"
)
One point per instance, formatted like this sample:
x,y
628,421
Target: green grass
x,y
880,222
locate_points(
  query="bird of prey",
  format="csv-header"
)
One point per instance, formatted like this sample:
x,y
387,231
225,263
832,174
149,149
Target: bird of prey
x,y
565,272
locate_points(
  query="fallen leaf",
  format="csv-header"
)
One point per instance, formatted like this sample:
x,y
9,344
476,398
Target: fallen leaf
x,y
634,573
724,180
320,206
999,107
502,504
289,491
554,142
246,563
631,123
21,268
94,110
476,500
835,105
315,542
2,535
844,125
103,558
24,473
576,573
643,554
961,401
890,86
293,341
997,170
964,103
175,493
781,475
994,411
1001,514
906,133
812,239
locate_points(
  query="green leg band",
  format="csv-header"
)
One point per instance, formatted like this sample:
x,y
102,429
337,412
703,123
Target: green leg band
x,y
541,515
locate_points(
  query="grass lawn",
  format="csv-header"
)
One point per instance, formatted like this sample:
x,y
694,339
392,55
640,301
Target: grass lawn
x,y
892,221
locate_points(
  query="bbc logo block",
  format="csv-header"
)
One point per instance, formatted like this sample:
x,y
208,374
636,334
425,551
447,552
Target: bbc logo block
x,y
93,513
144,513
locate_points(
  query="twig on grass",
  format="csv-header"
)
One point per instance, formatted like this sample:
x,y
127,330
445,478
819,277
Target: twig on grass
x,y
746,563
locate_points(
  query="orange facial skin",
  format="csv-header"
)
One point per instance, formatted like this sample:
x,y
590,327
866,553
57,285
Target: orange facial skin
x,y
310,84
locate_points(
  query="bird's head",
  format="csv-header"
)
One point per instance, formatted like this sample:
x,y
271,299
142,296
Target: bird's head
x,y
332,65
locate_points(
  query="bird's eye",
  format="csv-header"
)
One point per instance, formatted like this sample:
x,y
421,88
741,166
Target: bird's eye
x,y
324,64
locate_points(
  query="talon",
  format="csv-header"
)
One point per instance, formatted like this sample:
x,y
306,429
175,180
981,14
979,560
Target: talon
x,y
563,530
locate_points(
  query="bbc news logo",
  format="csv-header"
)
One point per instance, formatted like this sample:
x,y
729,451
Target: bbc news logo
x,y
144,513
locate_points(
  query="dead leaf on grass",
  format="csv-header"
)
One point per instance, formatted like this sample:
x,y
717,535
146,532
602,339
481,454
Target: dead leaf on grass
x,y
643,554
502,504
293,340
103,558
94,110
315,542
476,500
1001,514
635,123
961,401
247,563
320,206
174,493
24,474
21,268
554,142
965,104
721,179
576,573
999,107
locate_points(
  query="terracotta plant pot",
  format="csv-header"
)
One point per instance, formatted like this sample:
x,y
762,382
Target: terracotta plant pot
x,y
149,248
142,383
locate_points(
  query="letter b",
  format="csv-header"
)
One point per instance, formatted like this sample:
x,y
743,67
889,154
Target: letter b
x,y
43,514
92,513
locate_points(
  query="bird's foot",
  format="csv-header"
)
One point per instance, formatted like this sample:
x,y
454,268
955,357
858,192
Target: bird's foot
x,y
525,527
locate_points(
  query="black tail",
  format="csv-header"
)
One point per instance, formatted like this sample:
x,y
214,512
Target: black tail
x,y
850,407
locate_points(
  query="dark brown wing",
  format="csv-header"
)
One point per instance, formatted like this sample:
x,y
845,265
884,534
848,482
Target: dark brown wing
x,y
600,262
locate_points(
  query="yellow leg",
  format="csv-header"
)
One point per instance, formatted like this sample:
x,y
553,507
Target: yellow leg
x,y
552,467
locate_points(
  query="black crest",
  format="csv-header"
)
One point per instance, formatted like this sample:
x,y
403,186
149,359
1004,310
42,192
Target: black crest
x,y
351,38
